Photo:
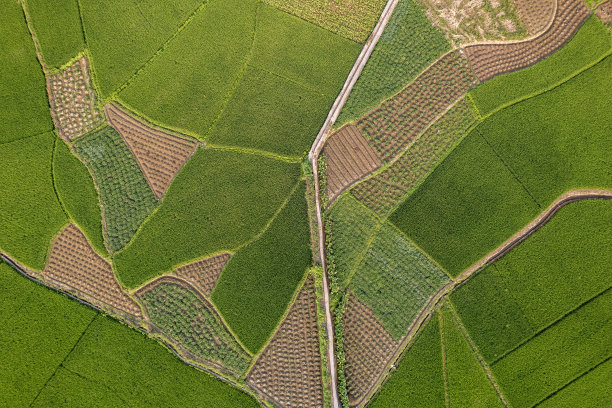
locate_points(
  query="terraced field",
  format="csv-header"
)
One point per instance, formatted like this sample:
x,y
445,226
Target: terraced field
x,y
445,241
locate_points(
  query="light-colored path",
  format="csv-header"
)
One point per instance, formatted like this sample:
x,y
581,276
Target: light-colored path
x,y
313,156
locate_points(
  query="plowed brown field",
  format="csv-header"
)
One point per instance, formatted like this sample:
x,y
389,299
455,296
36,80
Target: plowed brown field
x,y
490,60
203,274
288,372
392,126
73,101
536,14
604,12
159,154
367,348
349,158
74,266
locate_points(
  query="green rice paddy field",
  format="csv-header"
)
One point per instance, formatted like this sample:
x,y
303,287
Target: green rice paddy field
x,y
61,353
253,81
539,319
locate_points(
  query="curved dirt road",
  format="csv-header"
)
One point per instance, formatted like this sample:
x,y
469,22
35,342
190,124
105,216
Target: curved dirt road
x,y
490,258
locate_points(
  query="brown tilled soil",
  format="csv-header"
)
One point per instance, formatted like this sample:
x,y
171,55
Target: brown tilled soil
x,y
203,274
73,101
490,60
604,12
289,370
536,14
349,158
159,154
393,125
367,348
74,266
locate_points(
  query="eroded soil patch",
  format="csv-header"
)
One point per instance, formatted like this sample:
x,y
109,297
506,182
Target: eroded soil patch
x,y
73,101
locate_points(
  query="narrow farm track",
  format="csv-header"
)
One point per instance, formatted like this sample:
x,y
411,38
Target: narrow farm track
x,y
313,157
429,309
169,346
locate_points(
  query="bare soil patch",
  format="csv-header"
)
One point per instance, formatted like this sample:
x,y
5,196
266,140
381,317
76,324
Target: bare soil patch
x,y
349,158
490,60
75,267
467,21
367,347
288,372
73,101
160,155
203,274
604,12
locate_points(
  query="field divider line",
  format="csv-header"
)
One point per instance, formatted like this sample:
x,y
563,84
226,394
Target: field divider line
x,y
30,26
238,79
509,168
61,364
551,87
422,180
27,137
478,355
529,229
114,392
421,250
293,81
262,349
549,326
573,380
256,152
24,300
114,94
52,174
444,365
271,220
360,259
